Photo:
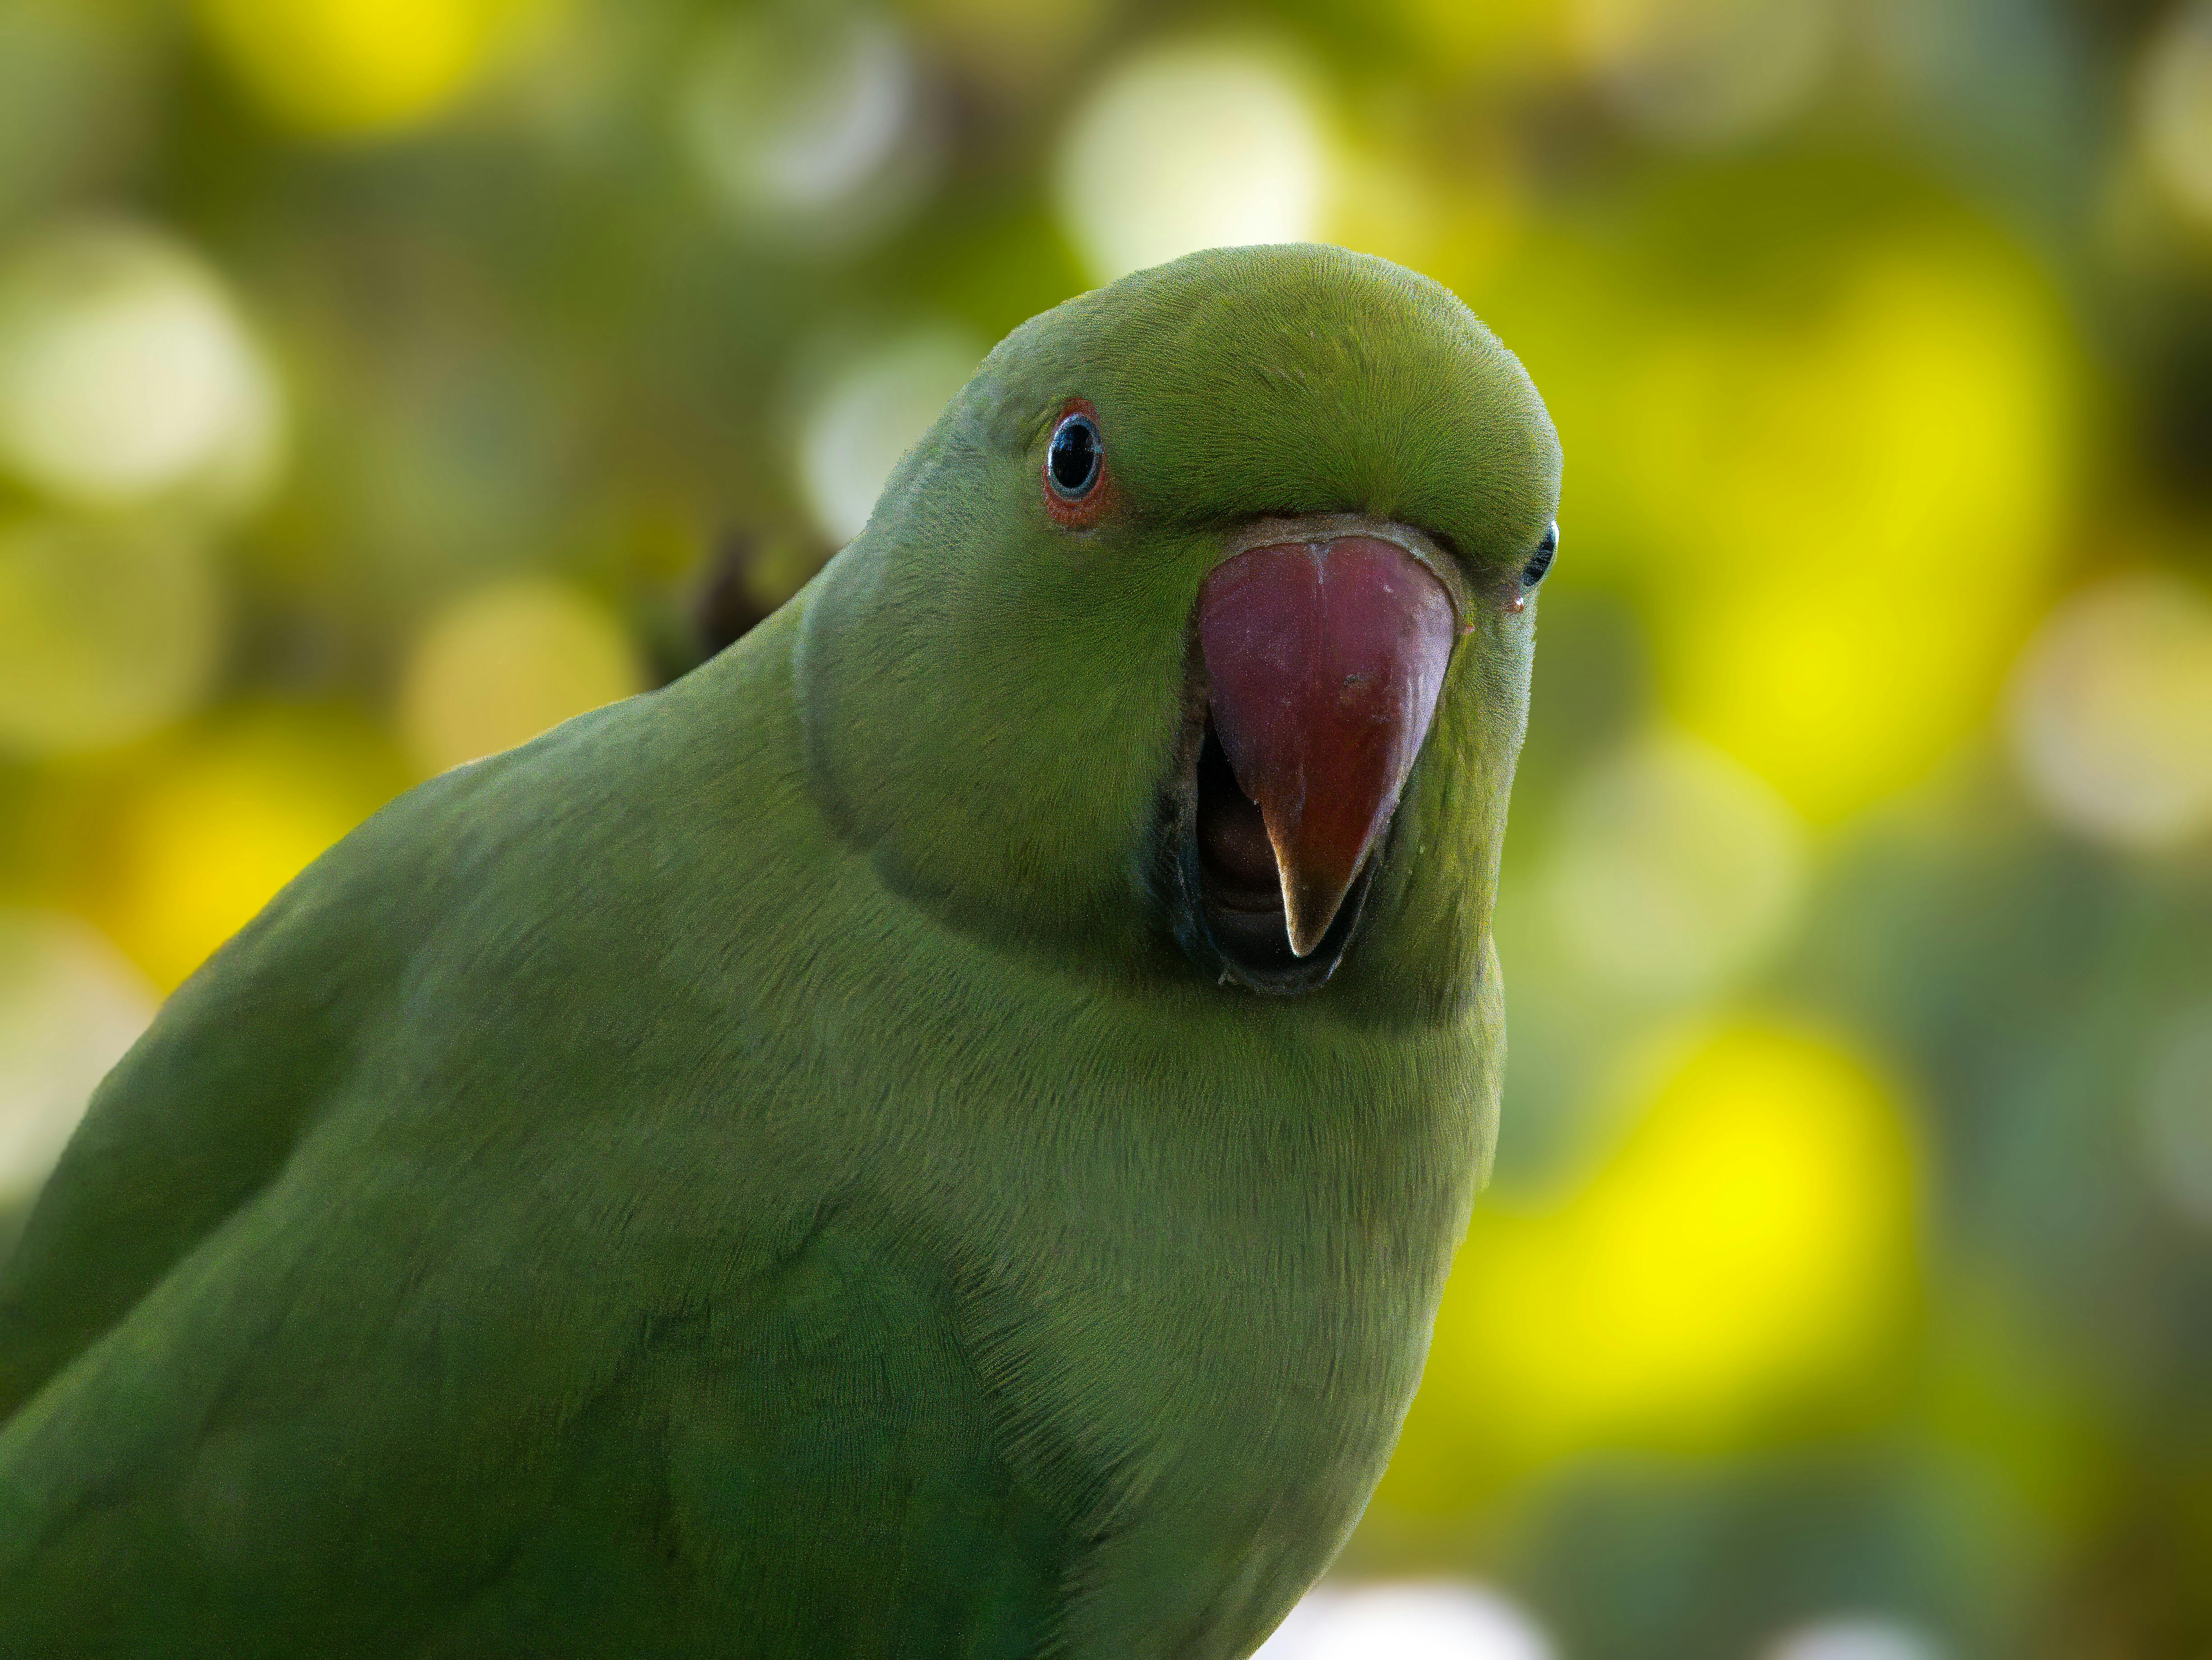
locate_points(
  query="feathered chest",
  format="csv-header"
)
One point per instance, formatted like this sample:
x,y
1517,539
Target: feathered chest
x,y
1201,1347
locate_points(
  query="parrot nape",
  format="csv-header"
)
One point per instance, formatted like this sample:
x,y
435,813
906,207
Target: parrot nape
x,y
939,1133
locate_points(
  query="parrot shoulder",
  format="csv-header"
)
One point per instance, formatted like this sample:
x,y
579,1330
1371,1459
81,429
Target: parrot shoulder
x,y
255,1048
196,1118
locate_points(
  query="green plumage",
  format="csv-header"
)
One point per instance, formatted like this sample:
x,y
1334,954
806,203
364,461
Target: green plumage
x,y
752,1173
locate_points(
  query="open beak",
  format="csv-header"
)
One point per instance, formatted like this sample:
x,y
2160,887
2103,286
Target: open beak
x,y
1324,662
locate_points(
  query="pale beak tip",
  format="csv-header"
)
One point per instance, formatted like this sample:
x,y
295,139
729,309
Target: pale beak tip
x,y
1307,911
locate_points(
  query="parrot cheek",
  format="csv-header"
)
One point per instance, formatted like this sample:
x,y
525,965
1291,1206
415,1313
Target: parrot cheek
x,y
1322,657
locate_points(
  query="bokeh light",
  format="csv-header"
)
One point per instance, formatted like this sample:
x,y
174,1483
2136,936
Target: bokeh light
x,y
70,1007
503,664
109,629
1855,1640
1199,145
1674,868
867,414
1751,1240
2175,1115
2111,712
807,122
1410,1622
208,832
355,68
1850,507
2174,107
126,373
1707,71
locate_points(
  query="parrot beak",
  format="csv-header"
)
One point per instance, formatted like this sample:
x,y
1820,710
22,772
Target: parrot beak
x,y
1324,662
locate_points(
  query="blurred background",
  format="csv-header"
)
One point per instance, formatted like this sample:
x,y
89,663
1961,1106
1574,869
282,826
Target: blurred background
x,y
382,381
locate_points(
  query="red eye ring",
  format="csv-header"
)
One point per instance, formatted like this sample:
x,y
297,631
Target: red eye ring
x,y
1073,477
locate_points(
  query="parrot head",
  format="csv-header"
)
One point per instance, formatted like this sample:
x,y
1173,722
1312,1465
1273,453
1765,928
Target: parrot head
x,y
1193,640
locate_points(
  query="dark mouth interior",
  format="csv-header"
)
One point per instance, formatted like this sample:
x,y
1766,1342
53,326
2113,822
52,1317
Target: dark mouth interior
x,y
1241,891
1235,923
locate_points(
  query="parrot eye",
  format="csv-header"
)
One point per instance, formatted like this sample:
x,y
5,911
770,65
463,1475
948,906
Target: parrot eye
x,y
1540,561
1075,458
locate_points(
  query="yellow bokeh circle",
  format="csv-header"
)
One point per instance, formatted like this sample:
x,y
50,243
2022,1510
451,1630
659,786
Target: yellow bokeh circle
x,y
355,67
1750,1245
1851,514
207,831
502,664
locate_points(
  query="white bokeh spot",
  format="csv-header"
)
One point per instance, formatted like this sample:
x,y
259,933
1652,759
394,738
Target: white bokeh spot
x,y
126,373
807,123
1189,147
70,1006
1855,1638
2111,712
863,418
1436,1621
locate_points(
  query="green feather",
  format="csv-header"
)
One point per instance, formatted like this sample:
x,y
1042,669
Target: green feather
x,y
750,1173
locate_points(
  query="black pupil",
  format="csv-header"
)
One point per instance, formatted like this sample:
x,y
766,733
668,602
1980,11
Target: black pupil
x,y
1074,456
1540,561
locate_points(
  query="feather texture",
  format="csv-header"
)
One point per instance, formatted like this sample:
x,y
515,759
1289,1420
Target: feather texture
x,y
750,1173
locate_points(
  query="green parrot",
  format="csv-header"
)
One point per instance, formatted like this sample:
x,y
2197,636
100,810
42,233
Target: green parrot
x,y
939,1133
